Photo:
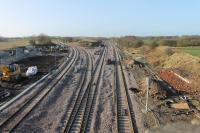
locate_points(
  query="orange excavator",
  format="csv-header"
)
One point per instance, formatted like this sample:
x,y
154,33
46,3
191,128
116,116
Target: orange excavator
x,y
9,73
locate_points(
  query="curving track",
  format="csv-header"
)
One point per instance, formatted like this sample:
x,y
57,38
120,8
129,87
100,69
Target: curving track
x,y
10,118
80,116
73,107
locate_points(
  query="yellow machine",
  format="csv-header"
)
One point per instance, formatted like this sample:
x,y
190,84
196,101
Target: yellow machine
x,y
10,72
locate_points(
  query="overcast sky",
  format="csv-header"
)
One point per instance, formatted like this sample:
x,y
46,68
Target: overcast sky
x,y
99,17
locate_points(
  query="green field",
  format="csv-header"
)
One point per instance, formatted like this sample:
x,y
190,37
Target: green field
x,y
195,51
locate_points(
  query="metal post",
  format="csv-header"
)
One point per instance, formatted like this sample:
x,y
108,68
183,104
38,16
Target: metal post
x,y
55,57
148,81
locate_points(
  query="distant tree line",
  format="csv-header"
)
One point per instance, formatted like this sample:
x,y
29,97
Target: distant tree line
x,y
172,41
69,39
130,42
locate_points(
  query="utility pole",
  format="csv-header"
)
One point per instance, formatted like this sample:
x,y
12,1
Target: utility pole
x,y
148,82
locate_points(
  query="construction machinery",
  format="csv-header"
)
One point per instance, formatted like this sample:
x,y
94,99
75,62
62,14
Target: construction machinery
x,y
10,73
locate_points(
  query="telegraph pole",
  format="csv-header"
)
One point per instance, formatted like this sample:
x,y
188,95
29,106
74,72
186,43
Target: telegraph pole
x,y
148,82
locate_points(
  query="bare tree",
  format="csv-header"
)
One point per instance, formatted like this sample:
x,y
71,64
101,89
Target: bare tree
x,y
44,39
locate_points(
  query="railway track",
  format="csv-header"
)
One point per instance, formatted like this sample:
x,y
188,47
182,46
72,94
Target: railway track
x,y
97,83
10,122
156,115
80,116
25,95
72,108
125,114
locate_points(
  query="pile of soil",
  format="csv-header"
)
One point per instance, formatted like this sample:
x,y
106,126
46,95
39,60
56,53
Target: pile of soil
x,y
184,64
184,61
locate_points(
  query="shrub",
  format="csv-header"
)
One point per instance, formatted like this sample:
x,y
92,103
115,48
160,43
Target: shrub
x,y
153,45
43,39
138,43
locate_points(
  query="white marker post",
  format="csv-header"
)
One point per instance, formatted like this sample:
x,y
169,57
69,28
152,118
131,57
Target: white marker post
x,y
55,56
148,82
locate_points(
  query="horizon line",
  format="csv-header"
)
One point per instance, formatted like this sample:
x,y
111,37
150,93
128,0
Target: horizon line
x,y
82,36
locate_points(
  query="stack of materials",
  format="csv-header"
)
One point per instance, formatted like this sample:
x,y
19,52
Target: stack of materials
x,y
31,71
178,83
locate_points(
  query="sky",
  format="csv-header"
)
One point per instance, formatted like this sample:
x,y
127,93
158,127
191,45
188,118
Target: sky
x,y
106,18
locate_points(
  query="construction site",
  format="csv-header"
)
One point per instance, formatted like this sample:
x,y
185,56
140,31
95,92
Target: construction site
x,y
22,66
92,86
99,66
